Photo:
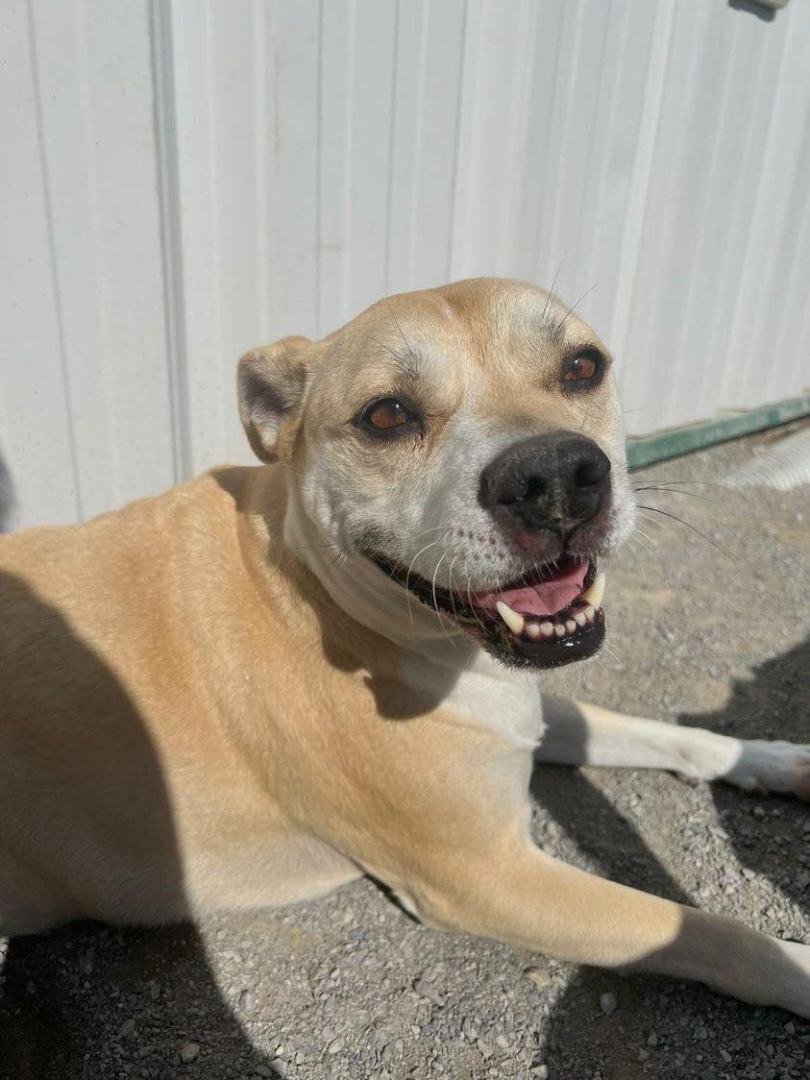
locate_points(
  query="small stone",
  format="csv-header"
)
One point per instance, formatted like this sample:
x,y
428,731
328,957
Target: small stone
x,y
540,1071
127,1029
484,1048
280,1068
700,1033
503,1042
608,1003
263,1070
653,1039
758,811
726,1056
188,1052
335,1046
538,976
790,1027
247,1002
426,989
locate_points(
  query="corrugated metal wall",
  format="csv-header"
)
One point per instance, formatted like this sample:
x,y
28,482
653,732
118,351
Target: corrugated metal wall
x,y
187,178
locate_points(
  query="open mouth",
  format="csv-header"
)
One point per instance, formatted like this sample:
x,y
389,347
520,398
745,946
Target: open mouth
x,y
549,617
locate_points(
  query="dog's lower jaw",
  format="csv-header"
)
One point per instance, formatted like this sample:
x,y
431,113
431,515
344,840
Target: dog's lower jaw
x,y
363,593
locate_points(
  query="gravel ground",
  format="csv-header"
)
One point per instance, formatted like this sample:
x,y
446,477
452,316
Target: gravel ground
x,y
711,631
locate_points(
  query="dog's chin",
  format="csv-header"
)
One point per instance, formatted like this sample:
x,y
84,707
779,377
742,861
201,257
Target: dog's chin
x,y
575,632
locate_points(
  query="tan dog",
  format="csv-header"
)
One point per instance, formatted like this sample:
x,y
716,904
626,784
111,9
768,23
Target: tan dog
x,y
271,680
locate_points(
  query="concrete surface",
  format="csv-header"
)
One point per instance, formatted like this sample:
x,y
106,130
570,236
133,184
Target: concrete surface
x,y
711,631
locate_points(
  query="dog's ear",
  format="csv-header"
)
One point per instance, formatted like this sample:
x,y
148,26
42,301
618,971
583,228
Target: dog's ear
x,y
271,383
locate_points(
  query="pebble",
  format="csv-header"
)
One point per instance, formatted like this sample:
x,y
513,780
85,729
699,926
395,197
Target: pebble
x,y
188,1052
127,1029
427,990
538,976
608,1003
484,1048
263,1070
247,1002
540,1071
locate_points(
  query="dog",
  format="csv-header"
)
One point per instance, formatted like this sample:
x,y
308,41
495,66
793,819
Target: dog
x,y
331,660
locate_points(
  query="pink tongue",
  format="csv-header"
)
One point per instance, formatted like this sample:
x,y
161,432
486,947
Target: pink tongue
x,y
544,597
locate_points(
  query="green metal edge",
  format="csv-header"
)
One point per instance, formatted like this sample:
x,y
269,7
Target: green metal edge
x,y
669,444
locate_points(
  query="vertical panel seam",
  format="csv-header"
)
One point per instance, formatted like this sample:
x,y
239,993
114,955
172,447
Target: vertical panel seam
x,y
56,283
171,245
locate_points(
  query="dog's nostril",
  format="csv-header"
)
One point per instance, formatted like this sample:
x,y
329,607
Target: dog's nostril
x,y
536,487
591,473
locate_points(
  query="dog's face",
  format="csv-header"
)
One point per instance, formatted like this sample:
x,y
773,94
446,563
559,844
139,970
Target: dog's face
x,y
466,441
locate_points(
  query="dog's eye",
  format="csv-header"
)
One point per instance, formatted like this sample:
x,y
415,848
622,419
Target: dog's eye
x,y
583,370
387,415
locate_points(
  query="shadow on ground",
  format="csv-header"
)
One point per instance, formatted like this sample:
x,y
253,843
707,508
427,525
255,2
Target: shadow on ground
x,y
48,1030
773,704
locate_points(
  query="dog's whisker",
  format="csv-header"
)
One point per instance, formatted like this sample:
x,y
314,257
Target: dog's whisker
x,y
433,593
686,524
550,295
421,551
558,328
672,490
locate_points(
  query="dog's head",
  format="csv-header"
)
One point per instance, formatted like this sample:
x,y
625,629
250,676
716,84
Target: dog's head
x,y
466,442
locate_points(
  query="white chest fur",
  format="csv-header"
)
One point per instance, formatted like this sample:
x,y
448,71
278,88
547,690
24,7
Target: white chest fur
x,y
489,696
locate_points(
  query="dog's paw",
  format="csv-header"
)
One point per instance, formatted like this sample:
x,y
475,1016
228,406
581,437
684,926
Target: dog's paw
x,y
779,767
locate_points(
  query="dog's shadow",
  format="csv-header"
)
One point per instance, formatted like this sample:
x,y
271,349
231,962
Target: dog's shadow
x,y
772,704
157,990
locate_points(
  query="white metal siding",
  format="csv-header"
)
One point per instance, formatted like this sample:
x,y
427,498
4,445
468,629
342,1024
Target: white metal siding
x,y
184,179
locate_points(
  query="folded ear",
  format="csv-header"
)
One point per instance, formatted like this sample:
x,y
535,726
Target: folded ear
x,y
271,383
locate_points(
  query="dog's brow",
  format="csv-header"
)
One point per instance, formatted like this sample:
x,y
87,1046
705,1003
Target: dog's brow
x,y
407,363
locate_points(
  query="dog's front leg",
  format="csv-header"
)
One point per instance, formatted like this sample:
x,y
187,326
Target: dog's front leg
x,y
519,895
579,734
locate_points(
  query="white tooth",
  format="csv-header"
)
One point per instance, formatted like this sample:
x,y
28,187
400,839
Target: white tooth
x,y
559,629
580,618
595,593
589,613
546,629
513,619
570,626
533,630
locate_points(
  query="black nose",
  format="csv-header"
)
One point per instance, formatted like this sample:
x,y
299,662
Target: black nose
x,y
556,481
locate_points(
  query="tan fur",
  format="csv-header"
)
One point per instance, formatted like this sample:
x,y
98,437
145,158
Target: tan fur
x,y
189,722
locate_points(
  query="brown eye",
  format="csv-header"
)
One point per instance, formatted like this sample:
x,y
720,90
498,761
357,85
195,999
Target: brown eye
x,y
388,416
583,370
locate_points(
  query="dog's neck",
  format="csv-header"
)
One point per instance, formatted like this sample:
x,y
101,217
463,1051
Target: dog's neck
x,y
365,594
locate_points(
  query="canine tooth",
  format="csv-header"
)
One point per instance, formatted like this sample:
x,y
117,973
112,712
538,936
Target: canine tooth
x,y
580,618
595,593
533,630
547,629
559,629
570,626
513,619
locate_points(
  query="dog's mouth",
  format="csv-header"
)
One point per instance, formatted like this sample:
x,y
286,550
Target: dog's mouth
x,y
549,617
